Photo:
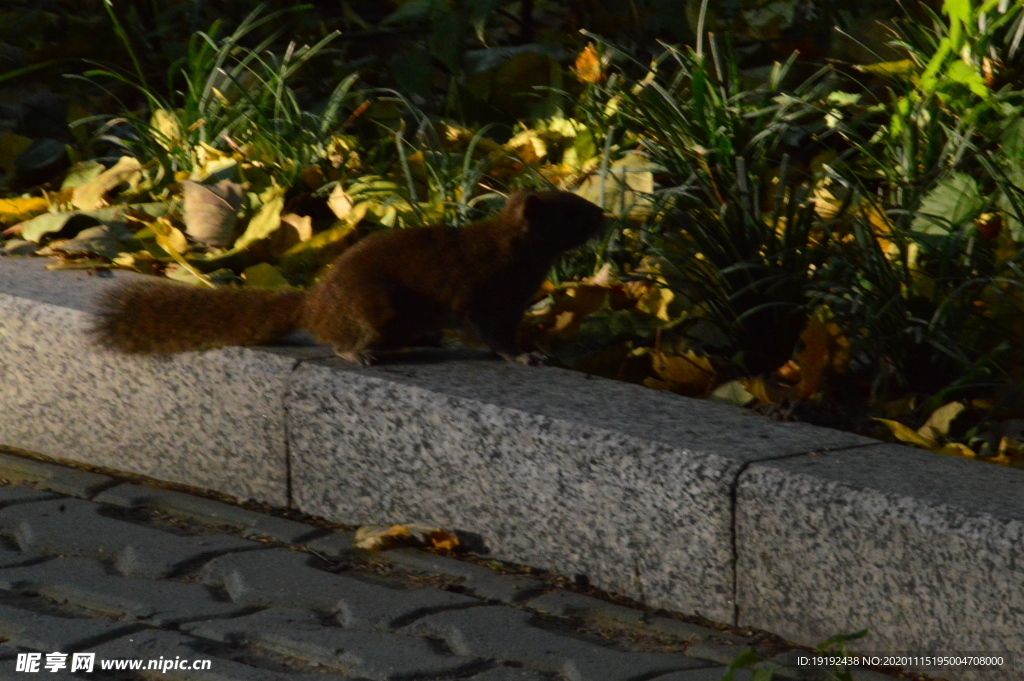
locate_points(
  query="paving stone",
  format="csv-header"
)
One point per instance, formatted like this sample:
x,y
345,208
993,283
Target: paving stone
x,y
153,644
207,511
568,604
284,578
12,494
691,632
57,478
508,674
502,633
336,545
803,674
364,654
706,674
861,674
10,558
75,527
87,583
725,654
8,657
36,631
478,580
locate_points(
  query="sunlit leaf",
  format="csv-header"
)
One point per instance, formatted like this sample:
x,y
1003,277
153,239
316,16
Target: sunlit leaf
x,y
908,435
266,220
264,275
301,225
903,67
170,238
656,302
92,194
733,392
757,387
294,230
319,250
688,373
47,223
340,202
13,211
167,128
528,146
173,241
588,65
969,75
956,449
627,188
213,165
938,423
949,205
83,172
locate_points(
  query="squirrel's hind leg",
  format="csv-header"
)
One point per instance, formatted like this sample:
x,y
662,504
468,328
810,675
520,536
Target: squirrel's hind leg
x,y
353,339
350,319
361,357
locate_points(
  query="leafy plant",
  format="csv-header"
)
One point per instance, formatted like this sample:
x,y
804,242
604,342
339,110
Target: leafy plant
x,y
927,245
227,100
735,226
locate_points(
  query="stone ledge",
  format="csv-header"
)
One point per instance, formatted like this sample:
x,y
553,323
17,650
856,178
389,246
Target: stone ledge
x,y
221,411
650,495
922,550
550,468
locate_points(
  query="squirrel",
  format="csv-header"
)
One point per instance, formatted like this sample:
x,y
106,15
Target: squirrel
x,y
388,291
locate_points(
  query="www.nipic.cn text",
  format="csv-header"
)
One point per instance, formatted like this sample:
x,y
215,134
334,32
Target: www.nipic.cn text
x,y
86,662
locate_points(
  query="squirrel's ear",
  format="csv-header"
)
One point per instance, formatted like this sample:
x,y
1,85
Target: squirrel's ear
x,y
521,207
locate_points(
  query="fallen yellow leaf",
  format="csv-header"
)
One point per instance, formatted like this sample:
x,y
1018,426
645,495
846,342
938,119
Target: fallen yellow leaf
x,y
757,387
92,194
13,211
688,373
956,449
938,423
339,202
909,435
382,537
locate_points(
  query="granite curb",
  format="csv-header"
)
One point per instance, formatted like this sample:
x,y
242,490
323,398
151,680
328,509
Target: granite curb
x,y
677,503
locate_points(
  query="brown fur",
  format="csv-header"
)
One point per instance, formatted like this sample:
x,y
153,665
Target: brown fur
x,y
388,291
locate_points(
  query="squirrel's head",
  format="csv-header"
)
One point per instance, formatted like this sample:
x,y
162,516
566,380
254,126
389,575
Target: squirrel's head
x,y
555,220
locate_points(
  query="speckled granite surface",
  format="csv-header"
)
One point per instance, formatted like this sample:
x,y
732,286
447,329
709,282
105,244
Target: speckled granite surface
x,y
924,551
208,419
627,486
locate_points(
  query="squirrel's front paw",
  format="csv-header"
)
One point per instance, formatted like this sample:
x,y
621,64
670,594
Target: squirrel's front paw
x,y
532,359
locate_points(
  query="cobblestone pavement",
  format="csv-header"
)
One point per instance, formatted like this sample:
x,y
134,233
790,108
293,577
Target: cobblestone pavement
x,y
93,564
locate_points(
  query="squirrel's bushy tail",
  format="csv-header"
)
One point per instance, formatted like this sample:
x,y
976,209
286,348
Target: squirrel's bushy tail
x,y
163,318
